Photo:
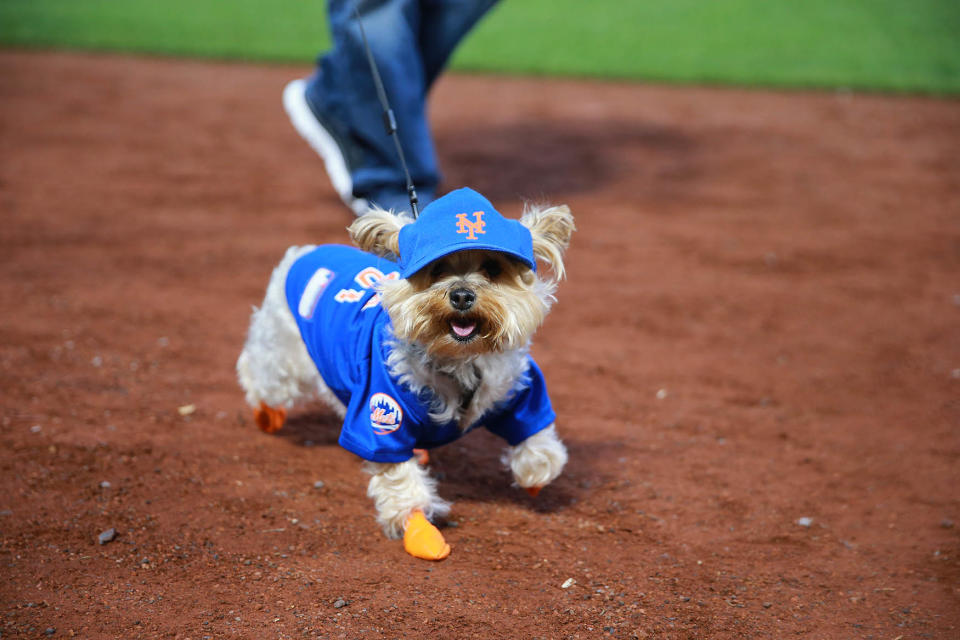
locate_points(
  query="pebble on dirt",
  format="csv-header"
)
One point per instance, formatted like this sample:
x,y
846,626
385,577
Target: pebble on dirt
x,y
318,484
340,603
569,582
946,523
805,521
107,536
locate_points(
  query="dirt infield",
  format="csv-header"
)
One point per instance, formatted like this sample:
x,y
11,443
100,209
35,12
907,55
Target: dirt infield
x,y
756,362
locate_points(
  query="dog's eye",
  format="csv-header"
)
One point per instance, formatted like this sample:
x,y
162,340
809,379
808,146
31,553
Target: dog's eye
x,y
492,267
439,268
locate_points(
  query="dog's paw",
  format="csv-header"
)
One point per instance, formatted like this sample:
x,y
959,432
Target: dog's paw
x,y
423,540
537,461
269,420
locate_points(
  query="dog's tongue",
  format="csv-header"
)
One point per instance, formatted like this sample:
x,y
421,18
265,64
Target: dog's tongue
x,y
463,330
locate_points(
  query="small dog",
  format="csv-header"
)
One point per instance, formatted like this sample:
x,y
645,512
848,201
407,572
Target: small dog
x,y
415,338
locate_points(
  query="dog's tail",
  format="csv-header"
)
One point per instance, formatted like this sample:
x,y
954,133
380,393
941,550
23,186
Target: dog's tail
x,y
274,367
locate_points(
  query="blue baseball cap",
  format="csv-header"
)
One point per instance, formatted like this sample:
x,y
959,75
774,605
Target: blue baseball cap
x,y
462,219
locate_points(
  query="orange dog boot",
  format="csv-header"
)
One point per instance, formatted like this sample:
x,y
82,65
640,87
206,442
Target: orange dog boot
x,y
533,491
269,419
422,456
423,540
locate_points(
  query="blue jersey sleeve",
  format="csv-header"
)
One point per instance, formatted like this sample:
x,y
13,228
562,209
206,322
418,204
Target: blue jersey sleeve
x,y
526,413
374,429
383,421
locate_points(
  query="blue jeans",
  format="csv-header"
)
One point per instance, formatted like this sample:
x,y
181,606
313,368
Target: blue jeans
x,y
411,41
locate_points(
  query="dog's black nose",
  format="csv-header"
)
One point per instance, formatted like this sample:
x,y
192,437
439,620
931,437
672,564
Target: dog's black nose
x,y
462,299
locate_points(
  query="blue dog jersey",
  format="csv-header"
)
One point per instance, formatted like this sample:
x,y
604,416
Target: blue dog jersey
x,y
330,292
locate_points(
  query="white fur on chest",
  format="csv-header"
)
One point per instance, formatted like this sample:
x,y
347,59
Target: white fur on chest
x,y
487,380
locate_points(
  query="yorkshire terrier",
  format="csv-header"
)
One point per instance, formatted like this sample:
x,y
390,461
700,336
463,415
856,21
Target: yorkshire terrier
x,y
417,337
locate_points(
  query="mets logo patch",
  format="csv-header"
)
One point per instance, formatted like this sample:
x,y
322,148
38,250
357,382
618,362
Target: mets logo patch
x,y
471,227
385,414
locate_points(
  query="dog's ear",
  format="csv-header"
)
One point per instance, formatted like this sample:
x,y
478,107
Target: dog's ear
x,y
378,231
551,228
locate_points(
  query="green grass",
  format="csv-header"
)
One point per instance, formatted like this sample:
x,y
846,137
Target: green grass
x,y
277,30
891,45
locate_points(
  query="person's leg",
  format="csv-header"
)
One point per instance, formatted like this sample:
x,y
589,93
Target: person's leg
x,y
443,24
343,91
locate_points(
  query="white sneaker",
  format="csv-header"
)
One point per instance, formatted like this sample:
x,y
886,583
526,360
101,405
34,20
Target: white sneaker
x,y
322,139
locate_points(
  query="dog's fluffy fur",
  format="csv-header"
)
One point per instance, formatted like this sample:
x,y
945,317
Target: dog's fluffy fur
x,y
511,302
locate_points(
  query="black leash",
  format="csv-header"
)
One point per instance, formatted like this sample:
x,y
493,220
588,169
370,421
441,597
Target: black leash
x,y
389,121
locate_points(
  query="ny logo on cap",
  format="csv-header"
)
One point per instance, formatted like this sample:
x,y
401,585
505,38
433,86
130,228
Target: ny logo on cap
x,y
471,228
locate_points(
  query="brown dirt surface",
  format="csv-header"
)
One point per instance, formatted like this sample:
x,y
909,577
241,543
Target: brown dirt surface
x,y
760,326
